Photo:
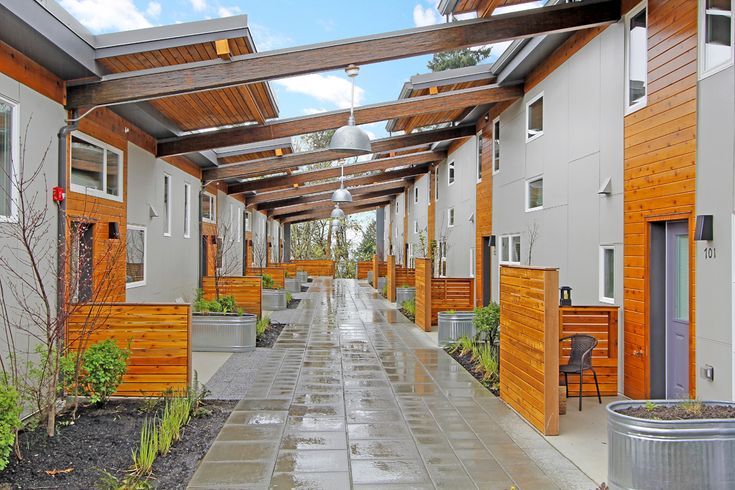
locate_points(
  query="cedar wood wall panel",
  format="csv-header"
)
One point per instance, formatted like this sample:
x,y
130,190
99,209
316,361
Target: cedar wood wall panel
x,y
246,290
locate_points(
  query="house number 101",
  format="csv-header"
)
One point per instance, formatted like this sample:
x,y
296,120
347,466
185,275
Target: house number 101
x,y
710,253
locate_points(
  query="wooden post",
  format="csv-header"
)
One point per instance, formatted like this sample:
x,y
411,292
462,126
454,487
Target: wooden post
x,y
391,278
376,271
423,293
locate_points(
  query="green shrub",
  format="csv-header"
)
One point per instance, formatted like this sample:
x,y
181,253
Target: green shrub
x,y
384,291
488,366
101,370
262,326
487,323
225,304
289,297
268,282
466,345
9,420
228,304
146,454
409,306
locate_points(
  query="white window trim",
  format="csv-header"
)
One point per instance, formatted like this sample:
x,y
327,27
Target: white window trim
x,y
451,217
629,109
510,238
496,121
187,210
478,156
80,189
415,226
238,237
451,166
703,73
248,221
528,106
137,284
15,159
167,207
603,298
528,182
472,261
212,208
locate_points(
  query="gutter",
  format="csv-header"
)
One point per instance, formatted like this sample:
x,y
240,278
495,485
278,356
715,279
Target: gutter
x,y
63,134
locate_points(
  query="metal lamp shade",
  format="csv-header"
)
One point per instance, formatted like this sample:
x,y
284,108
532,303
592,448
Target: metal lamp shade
x,y
350,139
337,213
341,195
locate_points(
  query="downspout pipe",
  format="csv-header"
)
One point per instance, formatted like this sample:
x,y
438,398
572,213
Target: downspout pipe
x,y
199,237
63,135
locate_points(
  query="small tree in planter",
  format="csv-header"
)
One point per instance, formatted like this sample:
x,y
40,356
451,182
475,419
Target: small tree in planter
x,y
487,324
273,299
220,326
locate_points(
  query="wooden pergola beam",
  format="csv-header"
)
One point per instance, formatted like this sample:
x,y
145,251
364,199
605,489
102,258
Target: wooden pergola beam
x,y
264,166
286,181
323,196
326,202
393,175
325,213
258,67
426,104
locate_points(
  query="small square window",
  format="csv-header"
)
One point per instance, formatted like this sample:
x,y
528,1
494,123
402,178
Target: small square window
x,y
209,208
96,168
535,117
607,274
535,194
415,195
135,256
187,210
450,173
510,249
166,205
450,217
415,226
716,33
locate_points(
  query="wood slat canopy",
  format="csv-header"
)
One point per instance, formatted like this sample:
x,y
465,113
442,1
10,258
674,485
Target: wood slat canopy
x,y
392,175
286,181
323,196
334,55
270,165
350,209
326,202
441,102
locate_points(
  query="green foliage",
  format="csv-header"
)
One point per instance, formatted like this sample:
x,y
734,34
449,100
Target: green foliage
x,y
487,323
457,59
10,409
366,248
228,304
466,345
268,282
128,482
650,406
488,366
144,457
225,304
694,407
262,326
450,312
289,297
384,291
101,370
404,286
409,308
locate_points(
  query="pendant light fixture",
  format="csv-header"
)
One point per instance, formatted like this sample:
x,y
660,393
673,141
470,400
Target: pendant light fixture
x,y
342,194
350,138
337,213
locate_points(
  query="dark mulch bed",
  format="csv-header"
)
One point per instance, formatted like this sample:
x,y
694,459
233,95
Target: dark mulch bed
x,y
294,303
270,336
467,363
681,411
103,439
407,314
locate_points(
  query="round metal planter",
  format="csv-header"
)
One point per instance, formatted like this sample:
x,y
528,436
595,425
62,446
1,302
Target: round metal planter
x,y
370,277
382,282
293,285
223,332
405,294
452,326
274,299
302,276
672,454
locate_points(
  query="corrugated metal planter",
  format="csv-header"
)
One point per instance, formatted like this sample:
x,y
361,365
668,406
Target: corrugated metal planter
x,y
223,332
669,454
404,294
382,282
452,326
370,277
302,276
274,299
293,285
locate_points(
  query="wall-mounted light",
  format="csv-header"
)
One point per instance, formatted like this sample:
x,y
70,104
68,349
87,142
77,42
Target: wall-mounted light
x,y
152,211
565,296
703,231
606,187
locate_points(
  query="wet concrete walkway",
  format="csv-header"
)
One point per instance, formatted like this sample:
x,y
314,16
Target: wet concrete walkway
x,y
355,396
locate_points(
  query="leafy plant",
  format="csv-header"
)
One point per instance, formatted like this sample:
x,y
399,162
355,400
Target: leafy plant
x,y
650,406
466,345
450,312
487,364
289,297
10,409
487,323
384,291
128,482
694,407
166,430
409,308
268,282
262,326
404,286
145,456
101,371
225,304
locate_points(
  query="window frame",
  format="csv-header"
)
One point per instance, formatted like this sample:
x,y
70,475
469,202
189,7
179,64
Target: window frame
x,y
478,163
451,217
102,194
451,173
212,208
14,158
187,210
534,99
238,236
167,208
144,229
704,72
511,238
472,262
416,226
416,195
248,221
496,149
629,109
601,272
436,184
528,194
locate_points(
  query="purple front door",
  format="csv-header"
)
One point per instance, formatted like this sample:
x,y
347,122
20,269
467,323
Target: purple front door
x,y
677,310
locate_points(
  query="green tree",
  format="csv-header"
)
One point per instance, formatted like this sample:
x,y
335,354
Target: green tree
x,y
366,248
457,59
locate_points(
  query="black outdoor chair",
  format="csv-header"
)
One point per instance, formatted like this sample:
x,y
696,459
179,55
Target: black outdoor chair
x,y
580,360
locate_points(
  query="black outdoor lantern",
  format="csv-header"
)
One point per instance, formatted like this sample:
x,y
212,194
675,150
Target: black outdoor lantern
x,y
565,296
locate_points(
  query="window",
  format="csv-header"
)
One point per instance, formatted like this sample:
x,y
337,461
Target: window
x,y
607,274
636,63
166,205
239,225
436,184
396,207
450,217
231,223
716,31
496,146
472,261
135,252
415,226
479,156
9,153
248,219
415,195
209,207
411,258
510,249
535,118
96,168
442,263
450,173
535,194
187,210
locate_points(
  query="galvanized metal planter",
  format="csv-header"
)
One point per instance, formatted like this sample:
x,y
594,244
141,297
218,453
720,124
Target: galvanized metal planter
x,y
382,282
302,276
293,285
370,277
452,326
223,332
671,454
274,299
404,294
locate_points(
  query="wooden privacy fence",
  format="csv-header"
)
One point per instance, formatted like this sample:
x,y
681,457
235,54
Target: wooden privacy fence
x,y
287,266
529,350
398,277
379,268
159,337
316,267
405,276
277,273
435,294
363,267
602,323
245,289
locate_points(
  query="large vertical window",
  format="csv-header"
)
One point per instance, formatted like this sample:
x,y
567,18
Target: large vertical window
x,y
636,53
442,259
187,210
450,173
472,261
415,226
607,274
496,145
96,168
248,221
436,184
239,225
716,35
411,258
535,118
535,194
135,254
450,217
415,195
166,205
9,152
209,208
479,156
510,249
